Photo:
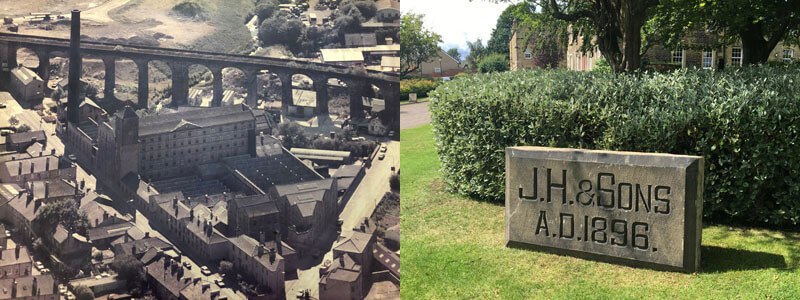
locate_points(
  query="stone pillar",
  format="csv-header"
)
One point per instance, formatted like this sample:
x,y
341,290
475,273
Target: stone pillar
x,y
180,84
218,89
286,91
321,87
12,55
357,89
252,88
110,78
44,66
143,84
391,95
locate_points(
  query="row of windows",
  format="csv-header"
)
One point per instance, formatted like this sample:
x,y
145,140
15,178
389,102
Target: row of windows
x,y
204,132
195,142
736,57
166,154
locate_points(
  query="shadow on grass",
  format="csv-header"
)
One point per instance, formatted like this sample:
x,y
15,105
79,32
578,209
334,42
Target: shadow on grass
x,y
719,260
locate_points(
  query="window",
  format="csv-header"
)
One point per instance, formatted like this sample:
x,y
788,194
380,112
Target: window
x,y
708,59
677,57
736,56
528,54
437,70
788,54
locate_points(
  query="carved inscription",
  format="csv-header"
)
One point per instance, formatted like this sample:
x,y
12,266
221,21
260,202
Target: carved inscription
x,y
630,206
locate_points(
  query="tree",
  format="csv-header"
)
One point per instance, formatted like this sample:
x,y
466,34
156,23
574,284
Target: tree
x,y
82,292
280,29
226,267
494,62
293,135
64,212
367,8
23,128
614,27
758,25
129,269
501,34
453,52
417,44
546,37
394,182
266,9
476,52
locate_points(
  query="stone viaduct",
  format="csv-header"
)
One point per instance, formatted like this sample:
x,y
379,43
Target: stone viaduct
x,y
359,82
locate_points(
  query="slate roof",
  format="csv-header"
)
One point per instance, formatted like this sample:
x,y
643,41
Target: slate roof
x,y
55,189
250,246
25,75
18,201
141,246
168,276
360,39
205,117
110,231
10,258
22,137
257,205
40,164
45,284
354,242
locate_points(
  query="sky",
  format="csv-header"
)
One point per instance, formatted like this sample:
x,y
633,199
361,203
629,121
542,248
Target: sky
x,y
457,21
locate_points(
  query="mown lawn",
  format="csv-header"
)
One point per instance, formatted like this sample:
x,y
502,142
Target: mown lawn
x,y
453,248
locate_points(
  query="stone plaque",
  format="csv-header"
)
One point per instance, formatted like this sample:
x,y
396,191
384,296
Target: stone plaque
x,y
639,209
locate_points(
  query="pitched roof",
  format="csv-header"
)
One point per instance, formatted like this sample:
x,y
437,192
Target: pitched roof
x,y
250,246
25,75
22,137
342,55
360,39
354,242
201,117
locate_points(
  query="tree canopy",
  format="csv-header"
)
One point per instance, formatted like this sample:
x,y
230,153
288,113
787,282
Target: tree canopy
x,y
453,52
418,44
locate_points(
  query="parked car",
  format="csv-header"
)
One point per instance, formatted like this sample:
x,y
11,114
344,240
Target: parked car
x,y
383,149
382,156
38,265
205,270
3,105
187,265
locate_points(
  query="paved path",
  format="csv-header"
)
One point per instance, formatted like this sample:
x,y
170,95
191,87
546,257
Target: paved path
x,y
414,115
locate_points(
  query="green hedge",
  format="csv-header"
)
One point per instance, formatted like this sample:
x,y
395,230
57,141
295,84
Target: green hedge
x,y
421,86
746,123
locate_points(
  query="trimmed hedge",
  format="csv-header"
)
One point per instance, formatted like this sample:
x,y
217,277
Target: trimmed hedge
x,y
421,86
746,123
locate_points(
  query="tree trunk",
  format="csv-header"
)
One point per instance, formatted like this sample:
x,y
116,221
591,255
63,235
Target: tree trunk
x,y
755,49
632,18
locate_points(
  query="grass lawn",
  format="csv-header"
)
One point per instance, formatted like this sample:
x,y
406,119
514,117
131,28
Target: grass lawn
x,y
453,248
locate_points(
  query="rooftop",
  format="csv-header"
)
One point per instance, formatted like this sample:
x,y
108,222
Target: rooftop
x,y
202,117
353,242
25,75
23,137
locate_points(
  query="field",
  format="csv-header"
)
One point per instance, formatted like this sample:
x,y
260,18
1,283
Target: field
x,y
453,248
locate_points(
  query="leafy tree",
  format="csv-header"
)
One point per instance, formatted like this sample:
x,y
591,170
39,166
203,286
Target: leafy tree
x,y
23,128
758,25
64,212
548,35
293,135
266,9
394,182
614,27
129,268
280,29
501,34
453,52
494,62
226,267
476,52
318,37
348,23
83,292
367,8
417,44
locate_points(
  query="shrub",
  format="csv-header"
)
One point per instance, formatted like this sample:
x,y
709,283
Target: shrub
x,y
421,86
495,62
744,122
189,9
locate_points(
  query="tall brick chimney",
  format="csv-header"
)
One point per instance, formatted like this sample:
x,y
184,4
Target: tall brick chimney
x,y
74,68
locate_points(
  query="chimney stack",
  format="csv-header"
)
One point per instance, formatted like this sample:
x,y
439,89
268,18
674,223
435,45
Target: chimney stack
x,y
271,255
278,242
16,251
19,172
74,68
47,164
46,189
1,252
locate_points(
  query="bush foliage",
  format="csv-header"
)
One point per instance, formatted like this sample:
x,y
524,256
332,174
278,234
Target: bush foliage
x,y
745,123
421,86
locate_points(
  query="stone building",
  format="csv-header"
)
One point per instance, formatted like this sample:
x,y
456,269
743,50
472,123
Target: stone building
x,y
44,167
19,141
40,287
15,263
702,52
349,275
26,85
